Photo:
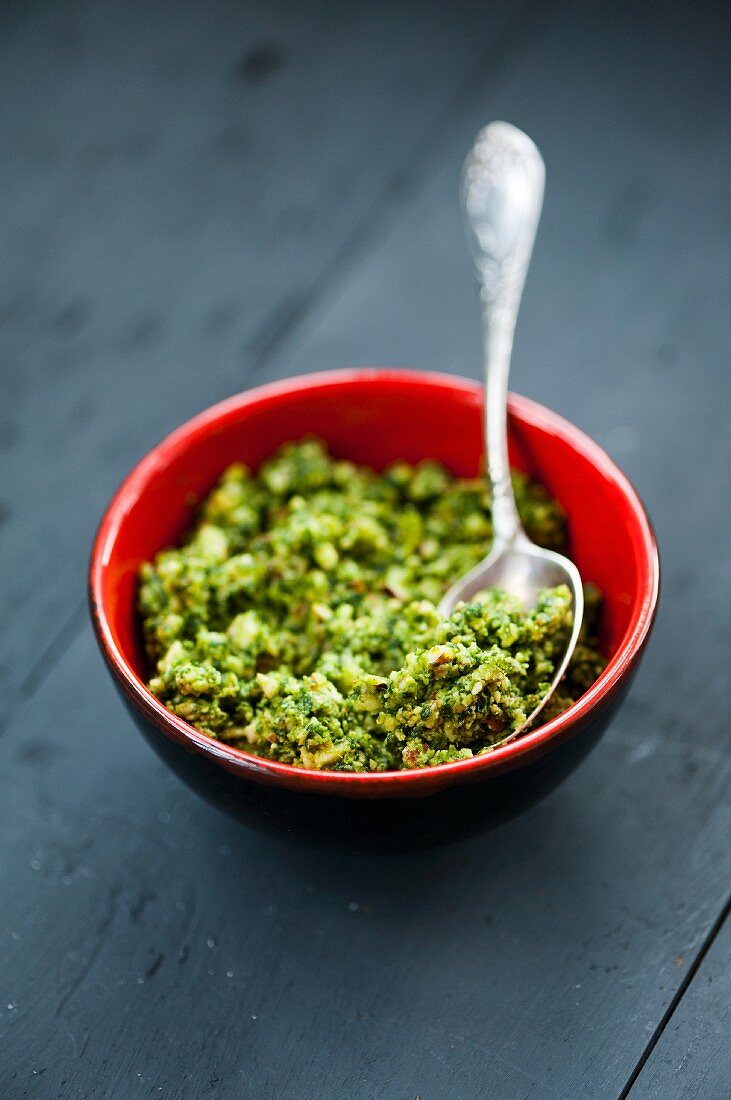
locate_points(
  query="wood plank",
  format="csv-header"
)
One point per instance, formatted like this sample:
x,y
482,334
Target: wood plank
x,y
534,961
626,304
537,961
176,184
691,1060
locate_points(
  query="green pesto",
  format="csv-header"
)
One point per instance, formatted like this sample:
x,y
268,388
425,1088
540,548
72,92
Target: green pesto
x,y
298,618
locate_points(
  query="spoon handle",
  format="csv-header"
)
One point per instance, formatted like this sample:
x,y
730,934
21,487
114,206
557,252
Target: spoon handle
x,y
502,195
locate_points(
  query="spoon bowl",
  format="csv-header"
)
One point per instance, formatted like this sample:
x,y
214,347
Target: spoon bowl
x,y
523,569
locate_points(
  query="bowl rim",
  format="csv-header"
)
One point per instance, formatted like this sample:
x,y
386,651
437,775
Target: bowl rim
x,y
416,782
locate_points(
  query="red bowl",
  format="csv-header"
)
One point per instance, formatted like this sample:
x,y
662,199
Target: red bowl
x,y
374,417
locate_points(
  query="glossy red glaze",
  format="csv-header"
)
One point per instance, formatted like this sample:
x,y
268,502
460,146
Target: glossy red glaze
x,y
374,417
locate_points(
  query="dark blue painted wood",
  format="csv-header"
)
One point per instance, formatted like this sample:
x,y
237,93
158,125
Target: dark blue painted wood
x,y
536,961
691,1060
179,184
151,947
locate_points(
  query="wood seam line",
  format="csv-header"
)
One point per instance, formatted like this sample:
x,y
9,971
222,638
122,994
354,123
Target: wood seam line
x,y
680,993
41,669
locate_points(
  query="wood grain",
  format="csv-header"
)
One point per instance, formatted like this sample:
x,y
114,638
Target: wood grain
x,y
691,1059
535,961
153,948
170,208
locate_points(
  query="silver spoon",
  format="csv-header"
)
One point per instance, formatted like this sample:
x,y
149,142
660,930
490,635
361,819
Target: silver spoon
x,y
502,195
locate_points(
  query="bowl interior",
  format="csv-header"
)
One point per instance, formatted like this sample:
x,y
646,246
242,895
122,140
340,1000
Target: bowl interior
x,y
373,418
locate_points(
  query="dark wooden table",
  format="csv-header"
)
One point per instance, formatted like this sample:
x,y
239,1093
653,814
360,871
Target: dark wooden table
x,y
199,197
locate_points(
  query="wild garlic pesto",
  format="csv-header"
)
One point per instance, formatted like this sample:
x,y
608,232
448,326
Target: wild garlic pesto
x,y
298,618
